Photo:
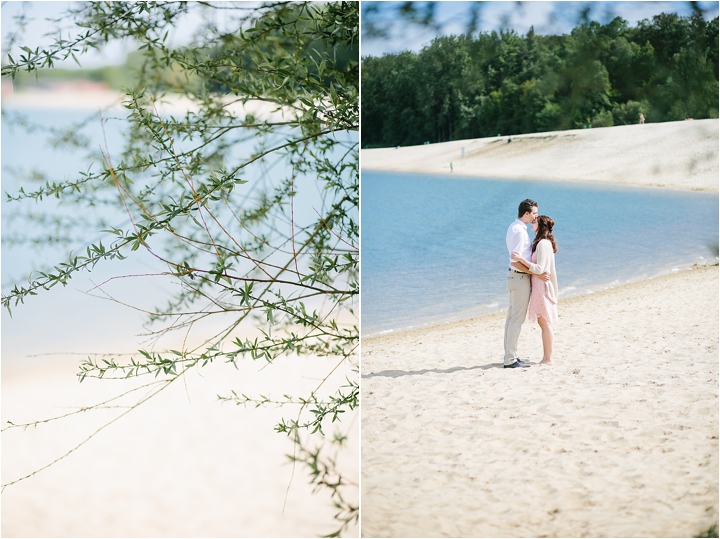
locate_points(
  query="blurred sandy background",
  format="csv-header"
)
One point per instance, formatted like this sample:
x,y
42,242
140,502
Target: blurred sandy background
x,y
181,465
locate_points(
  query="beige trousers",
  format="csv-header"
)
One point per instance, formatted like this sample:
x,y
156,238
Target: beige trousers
x,y
518,284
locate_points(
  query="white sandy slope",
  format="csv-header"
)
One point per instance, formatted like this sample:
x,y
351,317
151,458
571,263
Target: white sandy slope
x,y
673,154
620,439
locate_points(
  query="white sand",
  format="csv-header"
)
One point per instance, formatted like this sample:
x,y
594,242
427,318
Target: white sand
x,y
181,465
620,439
674,154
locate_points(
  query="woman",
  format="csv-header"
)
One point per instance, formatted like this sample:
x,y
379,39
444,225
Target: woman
x,y
543,294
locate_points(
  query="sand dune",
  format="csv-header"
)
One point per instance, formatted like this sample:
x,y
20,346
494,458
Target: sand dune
x,y
680,155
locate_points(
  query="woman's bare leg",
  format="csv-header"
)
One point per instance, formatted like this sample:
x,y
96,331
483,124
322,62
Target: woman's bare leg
x,y
547,340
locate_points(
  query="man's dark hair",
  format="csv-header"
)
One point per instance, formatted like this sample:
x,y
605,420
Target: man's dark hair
x,y
526,206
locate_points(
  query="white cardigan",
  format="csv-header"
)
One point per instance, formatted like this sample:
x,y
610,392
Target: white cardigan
x,y
546,264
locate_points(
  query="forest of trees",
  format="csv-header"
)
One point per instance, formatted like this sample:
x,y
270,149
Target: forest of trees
x,y
460,87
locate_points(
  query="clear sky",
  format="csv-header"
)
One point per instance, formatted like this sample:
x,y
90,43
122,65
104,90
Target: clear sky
x,y
545,17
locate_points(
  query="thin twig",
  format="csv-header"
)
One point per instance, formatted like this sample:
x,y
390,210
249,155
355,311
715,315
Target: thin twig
x,y
86,440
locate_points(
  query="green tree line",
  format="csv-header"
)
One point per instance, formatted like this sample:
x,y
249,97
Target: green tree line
x,y
172,74
460,87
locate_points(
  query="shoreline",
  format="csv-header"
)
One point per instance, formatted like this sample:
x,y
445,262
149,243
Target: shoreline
x,y
105,99
460,175
602,288
672,155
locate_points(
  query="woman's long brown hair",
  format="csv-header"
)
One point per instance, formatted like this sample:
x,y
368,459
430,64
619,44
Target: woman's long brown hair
x,y
544,232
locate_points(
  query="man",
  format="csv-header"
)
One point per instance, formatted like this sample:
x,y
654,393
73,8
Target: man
x,y
518,282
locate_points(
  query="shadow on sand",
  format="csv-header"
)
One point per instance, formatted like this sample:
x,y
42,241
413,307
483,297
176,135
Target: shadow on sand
x,y
398,374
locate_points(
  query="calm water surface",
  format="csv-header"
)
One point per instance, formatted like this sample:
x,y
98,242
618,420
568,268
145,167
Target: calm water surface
x,y
433,246
72,318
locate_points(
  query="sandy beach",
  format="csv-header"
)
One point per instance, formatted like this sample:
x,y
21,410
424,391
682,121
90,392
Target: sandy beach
x,y
618,439
680,155
182,465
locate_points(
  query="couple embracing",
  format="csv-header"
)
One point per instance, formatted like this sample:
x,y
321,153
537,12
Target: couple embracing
x,y
531,281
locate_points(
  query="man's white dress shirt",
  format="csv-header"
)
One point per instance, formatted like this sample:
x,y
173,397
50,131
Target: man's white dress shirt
x,y
517,239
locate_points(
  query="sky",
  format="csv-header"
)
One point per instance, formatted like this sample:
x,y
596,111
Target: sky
x,y
545,17
112,54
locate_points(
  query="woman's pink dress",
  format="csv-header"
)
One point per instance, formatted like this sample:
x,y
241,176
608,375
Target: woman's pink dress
x,y
540,304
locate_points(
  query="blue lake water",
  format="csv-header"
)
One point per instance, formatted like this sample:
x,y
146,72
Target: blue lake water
x,y
433,246
68,319
25,152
